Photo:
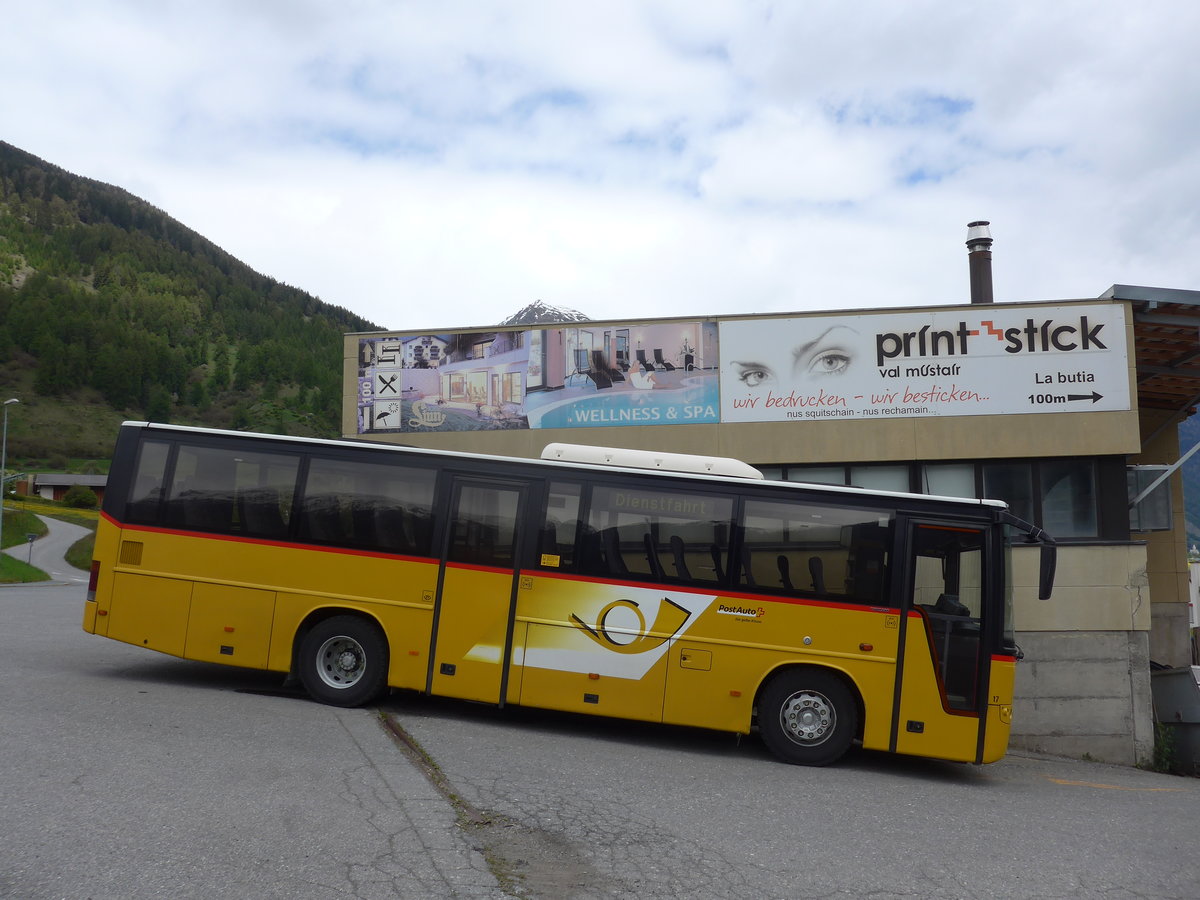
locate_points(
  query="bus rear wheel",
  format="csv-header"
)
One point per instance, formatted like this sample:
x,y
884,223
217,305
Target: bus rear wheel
x,y
344,661
807,717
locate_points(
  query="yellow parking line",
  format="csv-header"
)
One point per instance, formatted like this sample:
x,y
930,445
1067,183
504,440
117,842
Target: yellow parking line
x,y
1113,787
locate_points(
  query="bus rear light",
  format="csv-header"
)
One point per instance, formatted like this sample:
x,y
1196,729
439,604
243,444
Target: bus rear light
x,y
93,577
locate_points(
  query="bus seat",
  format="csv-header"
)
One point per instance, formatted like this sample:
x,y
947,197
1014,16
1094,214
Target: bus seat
x,y
362,520
323,518
418,529
145,505
656,569
590,554
207,510
392,529
715,552
816,569
785,571
261,515
747,566
681,568
948,605
612,552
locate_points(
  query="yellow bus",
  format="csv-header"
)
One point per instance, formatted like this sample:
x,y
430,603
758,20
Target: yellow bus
x,y
659,587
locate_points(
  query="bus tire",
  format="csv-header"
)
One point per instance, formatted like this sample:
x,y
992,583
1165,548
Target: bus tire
x,y
807,717
344,661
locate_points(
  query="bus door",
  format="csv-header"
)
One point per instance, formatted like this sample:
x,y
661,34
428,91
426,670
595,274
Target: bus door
x,y
473,610
942,674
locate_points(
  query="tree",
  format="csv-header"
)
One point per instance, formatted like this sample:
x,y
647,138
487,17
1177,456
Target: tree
x,y
197,396
80,497
220,367
158,406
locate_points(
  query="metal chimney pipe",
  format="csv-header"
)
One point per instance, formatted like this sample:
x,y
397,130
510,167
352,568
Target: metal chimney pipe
x,y
979,255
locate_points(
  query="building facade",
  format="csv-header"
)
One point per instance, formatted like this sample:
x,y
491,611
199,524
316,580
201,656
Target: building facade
x,y
55,486
1047,406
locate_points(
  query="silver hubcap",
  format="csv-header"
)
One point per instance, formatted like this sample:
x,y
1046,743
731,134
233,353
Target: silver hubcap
x,y
341,662
807,718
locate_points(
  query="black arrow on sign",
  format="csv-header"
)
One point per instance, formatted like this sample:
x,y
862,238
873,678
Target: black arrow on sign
x,y
1093,396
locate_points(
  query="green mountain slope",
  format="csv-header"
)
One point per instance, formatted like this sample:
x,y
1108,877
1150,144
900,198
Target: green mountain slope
x,y
111,309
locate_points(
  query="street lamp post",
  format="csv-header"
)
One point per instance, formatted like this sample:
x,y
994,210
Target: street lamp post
x,y
4,464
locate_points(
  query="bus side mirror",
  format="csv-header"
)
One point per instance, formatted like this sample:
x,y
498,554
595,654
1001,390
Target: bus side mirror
x,y
1046,566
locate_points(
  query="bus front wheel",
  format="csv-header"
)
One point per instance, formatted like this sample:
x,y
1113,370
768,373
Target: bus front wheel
x,y
807,717
344,661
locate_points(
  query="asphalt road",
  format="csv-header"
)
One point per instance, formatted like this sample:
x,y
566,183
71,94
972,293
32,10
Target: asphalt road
x,y
47,552
131,774
639,811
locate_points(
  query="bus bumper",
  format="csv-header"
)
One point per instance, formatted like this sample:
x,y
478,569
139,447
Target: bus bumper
x,y
999,724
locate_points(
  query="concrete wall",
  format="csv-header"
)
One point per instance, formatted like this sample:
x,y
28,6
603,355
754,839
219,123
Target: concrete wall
x,y
1084,694
1084,684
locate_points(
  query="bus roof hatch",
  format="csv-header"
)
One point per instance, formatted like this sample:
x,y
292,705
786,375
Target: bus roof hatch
x,y
650,459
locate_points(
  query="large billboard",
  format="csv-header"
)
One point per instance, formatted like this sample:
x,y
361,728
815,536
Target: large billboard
x,y
563,376
989,360
981,360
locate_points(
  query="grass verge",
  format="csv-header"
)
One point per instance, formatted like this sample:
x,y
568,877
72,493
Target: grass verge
x,y
79,554
13,571
19,522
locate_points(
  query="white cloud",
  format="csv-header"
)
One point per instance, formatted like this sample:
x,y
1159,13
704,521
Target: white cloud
x,y
778,159
445,164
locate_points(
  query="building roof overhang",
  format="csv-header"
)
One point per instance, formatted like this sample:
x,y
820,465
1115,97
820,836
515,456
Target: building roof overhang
x,y
1166,338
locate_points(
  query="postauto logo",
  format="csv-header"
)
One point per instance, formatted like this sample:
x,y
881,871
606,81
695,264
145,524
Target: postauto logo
x,y
621,627
1034,336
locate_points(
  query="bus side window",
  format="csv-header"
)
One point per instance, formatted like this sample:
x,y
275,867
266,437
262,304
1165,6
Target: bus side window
x,y
373,505
265,484
232,490
202,490
145,499
670,537
558,544
805,549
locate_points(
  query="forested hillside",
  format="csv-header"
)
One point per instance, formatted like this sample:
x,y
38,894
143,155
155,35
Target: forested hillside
x,y
111,309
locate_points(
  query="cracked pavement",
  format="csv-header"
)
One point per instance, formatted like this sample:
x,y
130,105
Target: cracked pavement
x,y
654,812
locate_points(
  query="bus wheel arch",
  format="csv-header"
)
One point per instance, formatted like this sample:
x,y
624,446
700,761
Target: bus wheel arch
x,y
341,657
809,715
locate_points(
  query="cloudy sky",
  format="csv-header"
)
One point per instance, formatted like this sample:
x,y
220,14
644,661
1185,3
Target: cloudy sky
x,y
430,164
